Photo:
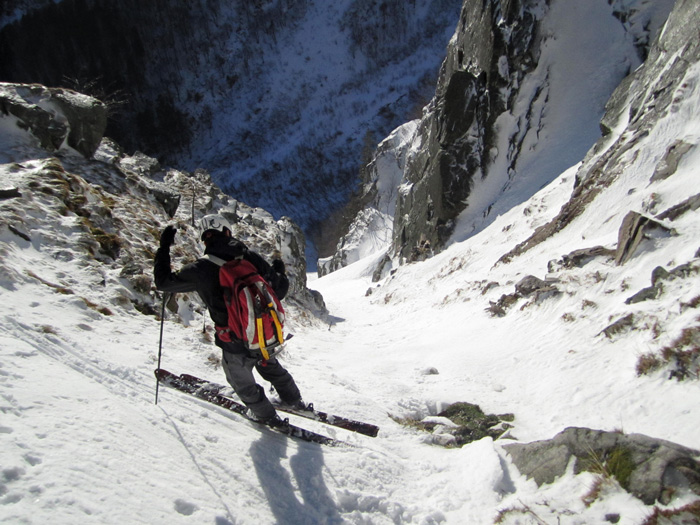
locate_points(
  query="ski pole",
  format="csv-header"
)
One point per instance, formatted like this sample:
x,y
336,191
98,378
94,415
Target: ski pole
x,y
160,343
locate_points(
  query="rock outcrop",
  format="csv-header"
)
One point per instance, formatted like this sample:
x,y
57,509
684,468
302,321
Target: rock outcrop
x,y
55,116
498,127
372,226
117,204
494,47
650,469
635,230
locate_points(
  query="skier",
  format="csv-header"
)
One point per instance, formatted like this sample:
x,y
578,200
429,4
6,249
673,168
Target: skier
x,y
202,276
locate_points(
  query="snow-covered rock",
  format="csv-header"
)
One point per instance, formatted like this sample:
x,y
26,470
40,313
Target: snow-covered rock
x,y
371,229
56,116
116,205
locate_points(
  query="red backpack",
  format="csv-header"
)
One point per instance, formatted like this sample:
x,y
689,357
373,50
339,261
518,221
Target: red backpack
x,y
255,314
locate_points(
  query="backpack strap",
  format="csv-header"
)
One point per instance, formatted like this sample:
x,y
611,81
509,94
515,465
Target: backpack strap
x,y
224,332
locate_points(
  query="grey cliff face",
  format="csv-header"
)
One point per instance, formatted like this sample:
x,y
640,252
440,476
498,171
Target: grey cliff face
x,y
502,117
493,48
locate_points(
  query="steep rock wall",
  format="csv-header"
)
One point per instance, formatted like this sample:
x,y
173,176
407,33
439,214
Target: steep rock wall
x,y
518,101
493,48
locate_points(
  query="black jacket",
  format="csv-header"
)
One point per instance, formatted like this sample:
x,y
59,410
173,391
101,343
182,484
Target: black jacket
x,y
202,276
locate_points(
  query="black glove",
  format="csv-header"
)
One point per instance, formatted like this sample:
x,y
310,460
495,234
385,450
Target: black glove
x,y
278,266
167,237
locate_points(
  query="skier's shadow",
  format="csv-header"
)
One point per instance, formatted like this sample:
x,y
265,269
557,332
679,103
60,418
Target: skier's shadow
x,y
318,506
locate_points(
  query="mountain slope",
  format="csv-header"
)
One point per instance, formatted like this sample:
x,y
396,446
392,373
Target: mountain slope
x,y
274,98
519,99
604,338
81,433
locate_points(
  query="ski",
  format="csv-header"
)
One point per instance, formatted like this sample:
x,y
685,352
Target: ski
x,y
360,427
183,384
316,415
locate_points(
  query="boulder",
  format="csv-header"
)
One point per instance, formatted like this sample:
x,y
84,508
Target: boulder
x,y
9,193
650,469
658,276
634,230
528,286
579,258
168,199
54,115
531,284
621,325
668,165
689,204
87,119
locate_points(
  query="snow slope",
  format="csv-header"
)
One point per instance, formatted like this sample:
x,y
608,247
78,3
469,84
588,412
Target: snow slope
x,y
83,441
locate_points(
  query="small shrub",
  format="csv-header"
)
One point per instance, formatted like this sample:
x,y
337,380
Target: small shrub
x,y
121,300
693,303
648,363
682,355
101,309
141,283
110,243
598,277
588,304
617,464
109,201
595,491
686,514
154,232
145,308
76,204
463,413
621,466
413,423
524,510
60,289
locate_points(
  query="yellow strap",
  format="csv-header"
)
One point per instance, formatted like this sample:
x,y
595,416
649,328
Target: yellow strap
x,y
261,338
278,326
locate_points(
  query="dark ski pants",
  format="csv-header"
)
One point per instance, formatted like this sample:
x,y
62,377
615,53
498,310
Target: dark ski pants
x,y
238,368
